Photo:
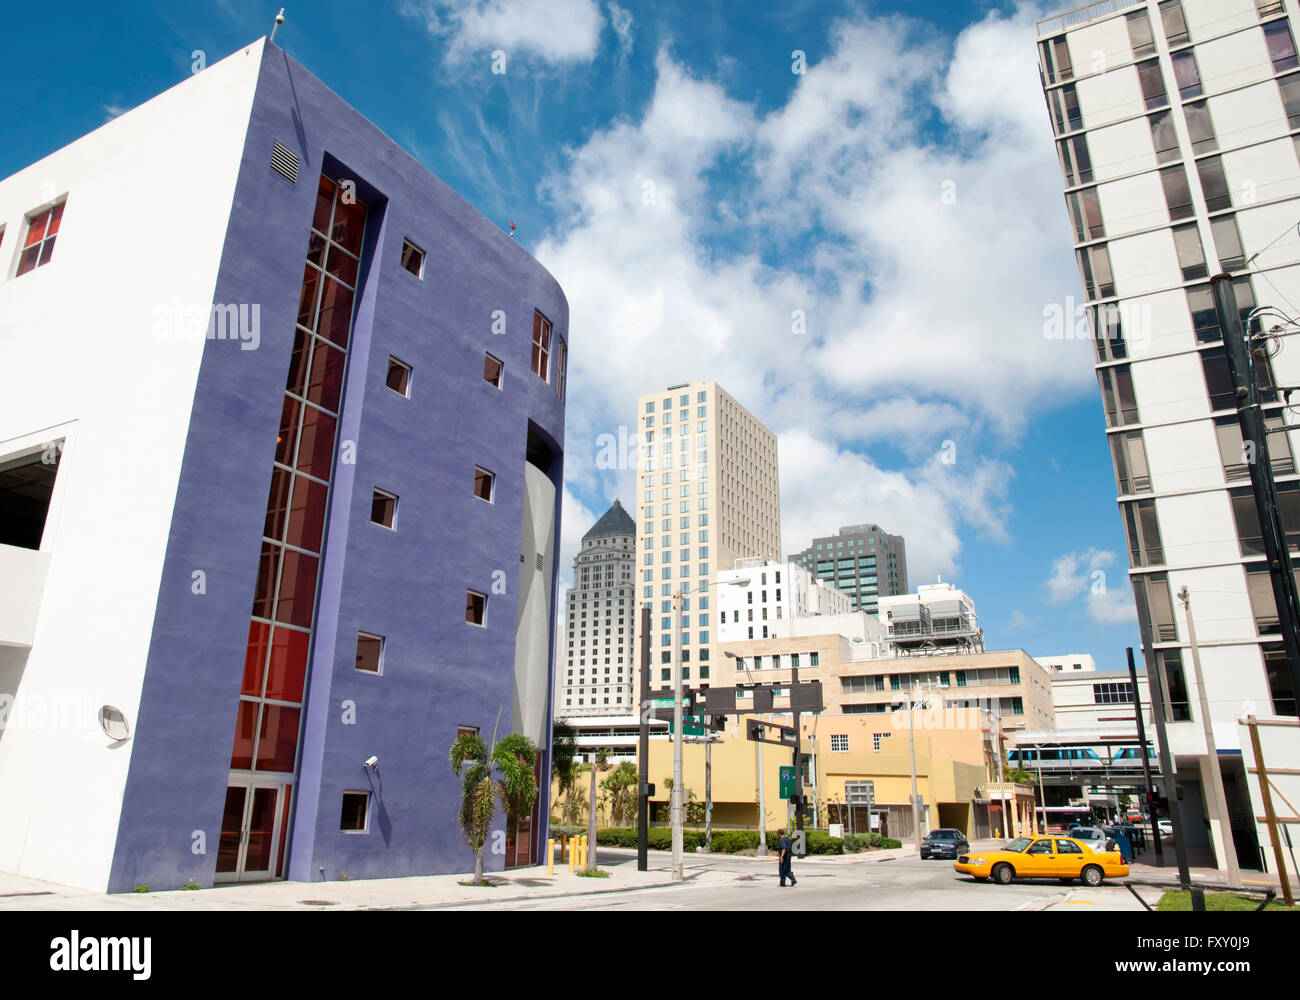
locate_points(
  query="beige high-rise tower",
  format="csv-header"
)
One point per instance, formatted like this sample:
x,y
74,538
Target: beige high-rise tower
x,y
708,496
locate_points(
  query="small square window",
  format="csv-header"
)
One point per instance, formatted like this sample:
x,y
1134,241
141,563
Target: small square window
x,y
38,246
484,484
412,258
370,652
399,377
492,370
475,607
356,807
383,508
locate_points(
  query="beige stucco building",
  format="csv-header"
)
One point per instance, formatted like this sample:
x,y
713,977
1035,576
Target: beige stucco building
x,y
708,495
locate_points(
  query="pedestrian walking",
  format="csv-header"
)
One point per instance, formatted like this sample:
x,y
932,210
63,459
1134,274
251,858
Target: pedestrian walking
x,y
783,853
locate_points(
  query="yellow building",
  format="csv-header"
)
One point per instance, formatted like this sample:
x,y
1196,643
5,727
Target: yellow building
x,y
954,765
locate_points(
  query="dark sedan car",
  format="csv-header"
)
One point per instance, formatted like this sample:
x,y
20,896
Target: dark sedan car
x,y
944,844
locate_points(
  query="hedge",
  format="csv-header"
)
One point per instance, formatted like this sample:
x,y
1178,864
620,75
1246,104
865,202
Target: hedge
x,y
733,841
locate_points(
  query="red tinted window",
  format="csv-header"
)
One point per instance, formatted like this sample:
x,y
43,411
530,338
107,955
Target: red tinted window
x,y
277,744
297,595
307,514
324,203
241,757
307,300
325,385
298,363
349,221
335,312
264,592
288,435
38,245
277,507
342,266
288,667
255,658
316,450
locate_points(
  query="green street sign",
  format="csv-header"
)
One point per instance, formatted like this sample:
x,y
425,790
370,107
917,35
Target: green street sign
x,y
787,782
692,725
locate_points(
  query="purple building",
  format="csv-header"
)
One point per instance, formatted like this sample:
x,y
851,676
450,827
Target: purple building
x,y
283,518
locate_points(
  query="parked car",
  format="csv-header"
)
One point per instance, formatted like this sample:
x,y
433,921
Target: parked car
x,y
1042,857
943,843
1166,827
1095,837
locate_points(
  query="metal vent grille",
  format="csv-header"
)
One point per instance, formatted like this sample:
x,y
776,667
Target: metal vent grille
x,y
540,563
284,163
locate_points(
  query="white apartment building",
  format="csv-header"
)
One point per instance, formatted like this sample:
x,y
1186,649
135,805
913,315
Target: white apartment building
x,y
1176,128
1100,700
709,492
1068,662
772,595
600,609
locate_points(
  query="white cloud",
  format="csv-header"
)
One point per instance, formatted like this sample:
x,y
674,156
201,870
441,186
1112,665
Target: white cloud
x,y
621,21
557,31
1076,574
691,236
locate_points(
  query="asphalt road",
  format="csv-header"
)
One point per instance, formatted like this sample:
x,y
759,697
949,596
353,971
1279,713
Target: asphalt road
x,y
722,883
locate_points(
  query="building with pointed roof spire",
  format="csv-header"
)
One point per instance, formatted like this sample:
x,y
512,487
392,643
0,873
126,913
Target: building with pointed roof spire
x,y
599,652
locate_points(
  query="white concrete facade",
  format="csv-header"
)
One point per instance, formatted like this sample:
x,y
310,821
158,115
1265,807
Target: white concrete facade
x,y
1068,662
1180,163
160,176
776,594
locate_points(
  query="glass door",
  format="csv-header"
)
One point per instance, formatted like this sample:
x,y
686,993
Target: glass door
x,y
252,830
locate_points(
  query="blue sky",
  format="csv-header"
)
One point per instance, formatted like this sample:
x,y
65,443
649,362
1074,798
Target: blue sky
x,y
692,192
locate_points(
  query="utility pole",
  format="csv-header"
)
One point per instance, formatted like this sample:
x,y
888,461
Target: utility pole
x,y
1254,435
1159,707
678,735
708,789
762,805
1216,796
798,748
643,750
1146,763
911,751
1002,781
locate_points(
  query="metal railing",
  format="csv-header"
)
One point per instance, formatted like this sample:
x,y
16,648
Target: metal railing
x,y
1082,15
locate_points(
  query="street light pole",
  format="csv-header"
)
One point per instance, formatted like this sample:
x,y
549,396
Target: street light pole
x,y
677,737
911,751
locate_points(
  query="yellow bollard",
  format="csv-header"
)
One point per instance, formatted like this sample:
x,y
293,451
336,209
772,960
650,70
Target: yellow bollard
x,y
550,856
573,855
582,854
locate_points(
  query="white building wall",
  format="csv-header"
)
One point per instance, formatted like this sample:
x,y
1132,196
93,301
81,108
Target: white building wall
x,y
148,198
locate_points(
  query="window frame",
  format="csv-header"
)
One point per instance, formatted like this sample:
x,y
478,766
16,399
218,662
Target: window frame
x,y
410,245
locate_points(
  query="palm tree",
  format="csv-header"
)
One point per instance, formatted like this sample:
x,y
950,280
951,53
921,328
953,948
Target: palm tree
x,y
600,763
564,764
620,784
506,771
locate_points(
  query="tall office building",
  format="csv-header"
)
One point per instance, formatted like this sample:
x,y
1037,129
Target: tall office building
x,y
600,611
281,521
862,561
710,495
1175,127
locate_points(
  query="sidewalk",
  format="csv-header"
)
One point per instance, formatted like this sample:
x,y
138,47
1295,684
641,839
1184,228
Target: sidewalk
x,y
19,893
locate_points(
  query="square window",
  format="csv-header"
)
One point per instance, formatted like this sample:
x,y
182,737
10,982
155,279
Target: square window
x,y
484,484
492,370
475,607
399,377
38,245
356,806
412,258
370,651
383,508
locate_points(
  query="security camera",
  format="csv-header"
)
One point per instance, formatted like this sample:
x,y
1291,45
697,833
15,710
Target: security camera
x,y
372,761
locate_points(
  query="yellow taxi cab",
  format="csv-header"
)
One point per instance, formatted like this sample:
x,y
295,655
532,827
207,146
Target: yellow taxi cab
x,y
1042,857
